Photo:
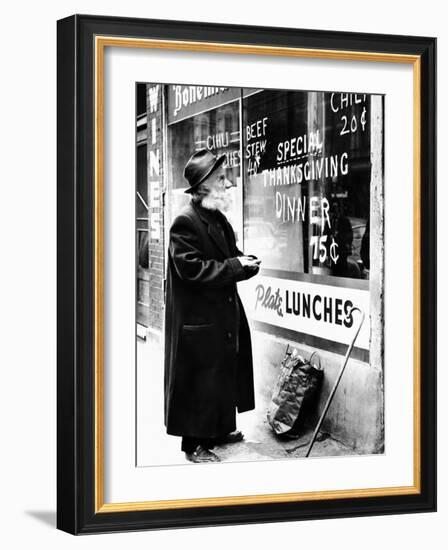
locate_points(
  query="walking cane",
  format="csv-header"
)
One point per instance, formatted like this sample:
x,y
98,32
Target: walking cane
x,y
336,384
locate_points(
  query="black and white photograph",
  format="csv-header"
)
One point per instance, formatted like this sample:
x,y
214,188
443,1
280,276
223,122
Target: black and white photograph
x,y
222,239
246,274
259,233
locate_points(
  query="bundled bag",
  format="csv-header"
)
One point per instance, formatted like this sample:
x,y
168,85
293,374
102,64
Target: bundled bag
x,y
296,389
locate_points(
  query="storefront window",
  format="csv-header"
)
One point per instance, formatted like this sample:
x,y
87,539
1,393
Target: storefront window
x,y
303,203
217,129
307,181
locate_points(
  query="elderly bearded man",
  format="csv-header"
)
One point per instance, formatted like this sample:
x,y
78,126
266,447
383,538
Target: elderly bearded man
x,y
208,354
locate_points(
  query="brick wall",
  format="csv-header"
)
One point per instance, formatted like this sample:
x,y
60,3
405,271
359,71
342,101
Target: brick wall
x,y
155,137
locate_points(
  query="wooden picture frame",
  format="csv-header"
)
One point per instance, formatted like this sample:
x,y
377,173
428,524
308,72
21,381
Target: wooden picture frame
x,y
82,41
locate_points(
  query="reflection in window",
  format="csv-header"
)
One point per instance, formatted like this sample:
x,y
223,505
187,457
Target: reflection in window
x,y
307,181
217,130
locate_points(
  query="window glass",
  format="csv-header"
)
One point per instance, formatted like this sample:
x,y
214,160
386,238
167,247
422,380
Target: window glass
x,y
217,130
307,180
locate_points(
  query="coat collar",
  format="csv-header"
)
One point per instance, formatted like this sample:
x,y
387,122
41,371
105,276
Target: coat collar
x,y
210,219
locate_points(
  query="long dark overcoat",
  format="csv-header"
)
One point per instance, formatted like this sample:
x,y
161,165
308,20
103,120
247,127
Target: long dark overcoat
x,y
208,361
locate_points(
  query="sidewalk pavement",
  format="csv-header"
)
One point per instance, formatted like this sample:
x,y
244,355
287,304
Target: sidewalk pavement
x,y
155,447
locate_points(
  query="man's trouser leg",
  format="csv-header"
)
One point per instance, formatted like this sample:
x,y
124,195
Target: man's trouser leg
x,y
189,444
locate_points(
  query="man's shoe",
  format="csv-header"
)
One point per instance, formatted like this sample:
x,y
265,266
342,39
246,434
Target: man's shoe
x,y
232,437
201,455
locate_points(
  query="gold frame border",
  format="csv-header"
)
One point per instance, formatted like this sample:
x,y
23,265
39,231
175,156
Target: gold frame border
x,y
101,42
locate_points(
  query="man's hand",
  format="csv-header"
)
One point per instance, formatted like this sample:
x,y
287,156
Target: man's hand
x,y
252,263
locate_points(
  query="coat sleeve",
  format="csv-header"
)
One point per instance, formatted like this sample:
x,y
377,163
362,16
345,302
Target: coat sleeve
x,y
190,264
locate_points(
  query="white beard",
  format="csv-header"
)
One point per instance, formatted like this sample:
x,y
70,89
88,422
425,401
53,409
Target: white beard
x,y
217,200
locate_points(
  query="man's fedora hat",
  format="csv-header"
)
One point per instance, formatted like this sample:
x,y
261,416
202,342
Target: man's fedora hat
x,y
200,165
